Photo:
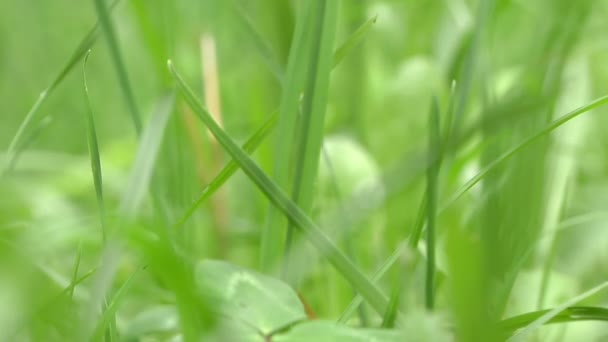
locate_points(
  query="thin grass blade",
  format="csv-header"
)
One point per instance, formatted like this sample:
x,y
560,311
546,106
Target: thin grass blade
x,y
553,313
85,45
94,152
355,39
123,78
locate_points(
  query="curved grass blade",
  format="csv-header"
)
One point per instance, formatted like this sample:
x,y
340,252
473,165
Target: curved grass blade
x,y
85,44
94,152
75,272
355,39
570,314
278,198
553,313
510,153
123,78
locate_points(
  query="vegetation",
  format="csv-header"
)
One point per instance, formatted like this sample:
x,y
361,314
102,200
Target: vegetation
x,y
317,170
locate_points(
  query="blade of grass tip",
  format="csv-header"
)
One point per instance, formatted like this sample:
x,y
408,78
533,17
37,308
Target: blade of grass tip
x,y
75,272
432,179
355,39
145,158
570,314
112,306
537,323
256,139
508,154
94,152
85,44
443,148
312,120
123,78
378,274
250,146
270,249
278,198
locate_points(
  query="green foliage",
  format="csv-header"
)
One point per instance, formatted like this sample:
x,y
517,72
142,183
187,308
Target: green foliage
x,y
448,153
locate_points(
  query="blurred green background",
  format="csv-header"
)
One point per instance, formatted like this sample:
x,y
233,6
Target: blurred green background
x,y
529,236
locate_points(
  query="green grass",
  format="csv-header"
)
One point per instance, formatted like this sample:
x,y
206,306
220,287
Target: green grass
x,y
388,170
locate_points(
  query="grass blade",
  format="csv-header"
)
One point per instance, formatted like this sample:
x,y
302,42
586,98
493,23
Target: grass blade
x,y
570,314
94,152
380,272
85,44
295,81
255,140
510,153
355,39
431,203
110,308
278,198
145,159
250,146
312,120
553,313
123,78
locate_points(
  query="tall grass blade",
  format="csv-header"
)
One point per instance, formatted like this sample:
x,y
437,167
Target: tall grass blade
x,y
278,198
312,120
431,203
123,78
272,231
94,152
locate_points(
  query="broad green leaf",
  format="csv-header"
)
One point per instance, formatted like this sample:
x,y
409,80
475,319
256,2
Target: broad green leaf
x,y
324,331
279,199
262,302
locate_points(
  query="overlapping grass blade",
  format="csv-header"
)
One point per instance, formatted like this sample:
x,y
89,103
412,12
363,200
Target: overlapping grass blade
x,y
353,40
312,120
553,313
121,71
109,312
260,135
94,152
250,146
570,314
278,198
85,44
513,151
272,231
